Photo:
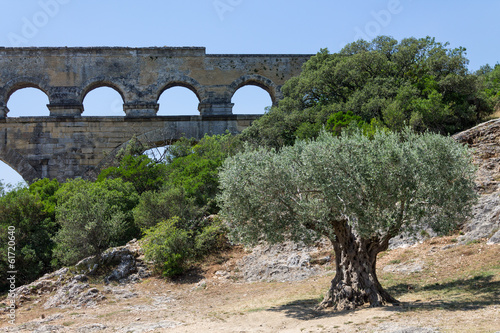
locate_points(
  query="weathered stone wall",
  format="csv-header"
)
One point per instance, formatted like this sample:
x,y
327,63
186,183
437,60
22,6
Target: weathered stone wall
x,y
68,147
140,75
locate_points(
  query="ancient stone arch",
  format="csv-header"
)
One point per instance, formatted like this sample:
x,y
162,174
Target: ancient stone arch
x,y
24,82
140,75
260,81
182,81
17,162
19,83
66,145
99,83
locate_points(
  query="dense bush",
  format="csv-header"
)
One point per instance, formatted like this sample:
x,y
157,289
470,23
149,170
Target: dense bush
x,y
154,207
195,168
172,248
168,247
339,121
144,173
212,238
491,81
31,212
93,217
416,82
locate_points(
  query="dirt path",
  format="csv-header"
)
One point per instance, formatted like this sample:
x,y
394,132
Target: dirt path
x,y
452,304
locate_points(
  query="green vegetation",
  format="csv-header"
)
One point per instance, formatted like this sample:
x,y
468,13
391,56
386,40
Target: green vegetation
x,y
491,82
93,217
417,82
170,202
171,247
179,231
344,165
30,211
140,170
195,167
168,247
355,190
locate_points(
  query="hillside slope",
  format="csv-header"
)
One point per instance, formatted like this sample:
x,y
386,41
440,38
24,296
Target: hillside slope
x,y
445,284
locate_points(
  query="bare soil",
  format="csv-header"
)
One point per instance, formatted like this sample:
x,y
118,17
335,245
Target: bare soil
x,y
443,287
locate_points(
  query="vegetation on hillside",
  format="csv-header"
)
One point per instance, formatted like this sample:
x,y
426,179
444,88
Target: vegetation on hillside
x,y
93,216
490,77
30,213
366,95
415,82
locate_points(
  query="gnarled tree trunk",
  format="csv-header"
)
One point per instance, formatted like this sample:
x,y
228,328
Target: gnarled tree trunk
x,y
355,282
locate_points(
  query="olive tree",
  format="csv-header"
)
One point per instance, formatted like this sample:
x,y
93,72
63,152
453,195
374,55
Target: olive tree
x,y
357,191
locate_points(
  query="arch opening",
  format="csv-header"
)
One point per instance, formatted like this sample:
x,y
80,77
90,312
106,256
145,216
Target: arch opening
x,y
103,100
178,100
251,99
28,101
158,154
9,177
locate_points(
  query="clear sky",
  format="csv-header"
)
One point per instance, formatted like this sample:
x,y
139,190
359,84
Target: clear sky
x,y
234,26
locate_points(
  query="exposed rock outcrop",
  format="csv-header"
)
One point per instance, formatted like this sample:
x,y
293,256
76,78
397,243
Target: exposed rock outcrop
x,y
69,287
282,262
124,260
484,139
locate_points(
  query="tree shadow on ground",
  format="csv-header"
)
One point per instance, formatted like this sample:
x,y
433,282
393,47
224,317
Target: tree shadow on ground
x,y
306,309
481,292
457,295
192,275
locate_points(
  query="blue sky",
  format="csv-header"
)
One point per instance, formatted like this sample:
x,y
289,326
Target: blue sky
x,y
234,26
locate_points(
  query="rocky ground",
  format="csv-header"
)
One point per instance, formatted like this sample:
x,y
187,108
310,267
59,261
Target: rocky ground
x,y
438,282
448,284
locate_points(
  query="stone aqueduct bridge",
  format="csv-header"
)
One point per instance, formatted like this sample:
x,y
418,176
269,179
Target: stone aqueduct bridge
x,y
67,145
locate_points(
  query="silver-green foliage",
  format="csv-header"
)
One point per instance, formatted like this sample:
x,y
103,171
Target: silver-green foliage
x,y
93,217
380,185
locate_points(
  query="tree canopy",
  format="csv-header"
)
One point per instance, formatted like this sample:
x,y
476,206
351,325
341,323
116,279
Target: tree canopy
x,y
357,191
194,167
31,211
140,170
491,81
93,216
415,82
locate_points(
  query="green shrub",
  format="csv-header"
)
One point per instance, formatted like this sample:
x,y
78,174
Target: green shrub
x,y
340,120
93,217
196,168
144,173
154,207
212,239
172,248
46,190
34,229
168,247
